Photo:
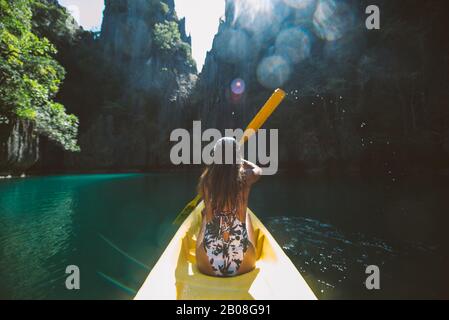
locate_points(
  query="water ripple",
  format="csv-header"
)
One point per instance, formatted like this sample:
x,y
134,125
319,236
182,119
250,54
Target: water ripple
x,y
332,262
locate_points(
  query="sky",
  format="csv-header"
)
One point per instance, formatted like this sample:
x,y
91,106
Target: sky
x,y
202,20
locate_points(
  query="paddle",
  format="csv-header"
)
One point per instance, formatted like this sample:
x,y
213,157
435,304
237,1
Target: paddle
x,y
258,121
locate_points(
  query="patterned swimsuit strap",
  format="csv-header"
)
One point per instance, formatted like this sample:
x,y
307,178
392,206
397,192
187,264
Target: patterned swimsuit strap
x,y
226,220
227,214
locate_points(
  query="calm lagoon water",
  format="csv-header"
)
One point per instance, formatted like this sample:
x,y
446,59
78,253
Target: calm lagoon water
x,y
330,228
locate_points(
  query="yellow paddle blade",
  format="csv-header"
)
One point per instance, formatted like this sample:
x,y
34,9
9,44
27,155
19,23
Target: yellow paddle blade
x,y
258,121
267,110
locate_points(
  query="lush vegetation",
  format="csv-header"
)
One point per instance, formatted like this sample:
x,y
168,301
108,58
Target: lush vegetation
x,y
164,8
168,40
167,36
30,76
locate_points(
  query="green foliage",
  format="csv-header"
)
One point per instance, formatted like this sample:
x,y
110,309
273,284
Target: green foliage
x,y
53,22
58,125
187,53
164,8
30,77
168,40
167,36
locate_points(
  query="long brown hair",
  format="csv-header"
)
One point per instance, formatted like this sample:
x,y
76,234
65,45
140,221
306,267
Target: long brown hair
x,y
221,184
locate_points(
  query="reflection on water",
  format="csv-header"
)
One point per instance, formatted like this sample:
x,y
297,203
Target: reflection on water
x,y
334,263
30,247
330,228
49,223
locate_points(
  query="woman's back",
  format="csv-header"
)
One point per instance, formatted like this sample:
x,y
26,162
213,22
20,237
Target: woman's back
x,y
226,244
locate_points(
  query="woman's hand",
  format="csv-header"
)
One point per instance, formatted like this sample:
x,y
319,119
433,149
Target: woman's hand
x,y
254,169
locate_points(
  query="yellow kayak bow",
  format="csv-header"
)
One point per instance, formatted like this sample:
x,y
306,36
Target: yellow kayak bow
x,y
176,276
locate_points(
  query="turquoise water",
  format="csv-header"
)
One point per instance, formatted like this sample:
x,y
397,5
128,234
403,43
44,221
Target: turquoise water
x,y
331,229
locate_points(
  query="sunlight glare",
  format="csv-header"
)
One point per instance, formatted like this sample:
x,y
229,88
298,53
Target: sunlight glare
x,y
258,16
273,72
233,46
299,4
238,86
293,44
332,19
252,8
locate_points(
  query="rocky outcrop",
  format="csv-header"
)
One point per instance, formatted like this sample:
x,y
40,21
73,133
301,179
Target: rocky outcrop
x,y
353,93
129,45
358,100
273,47
129,129
19,146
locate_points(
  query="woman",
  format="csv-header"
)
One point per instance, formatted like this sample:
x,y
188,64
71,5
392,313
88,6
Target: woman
x,y
226,244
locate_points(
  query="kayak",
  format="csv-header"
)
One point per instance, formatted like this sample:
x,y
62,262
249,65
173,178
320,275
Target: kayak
x,y
176,277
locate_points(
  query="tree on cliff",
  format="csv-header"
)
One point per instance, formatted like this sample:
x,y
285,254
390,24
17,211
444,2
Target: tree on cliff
x,y
30,76
168,40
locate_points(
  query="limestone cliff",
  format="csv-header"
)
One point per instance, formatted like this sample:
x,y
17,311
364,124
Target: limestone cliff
x,y
358,100
145,47
19,147
353,94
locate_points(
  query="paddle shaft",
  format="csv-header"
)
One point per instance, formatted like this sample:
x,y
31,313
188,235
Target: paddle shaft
x,y
263,115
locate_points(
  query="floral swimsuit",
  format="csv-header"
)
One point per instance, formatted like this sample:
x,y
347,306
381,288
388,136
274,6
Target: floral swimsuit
x,y
225,242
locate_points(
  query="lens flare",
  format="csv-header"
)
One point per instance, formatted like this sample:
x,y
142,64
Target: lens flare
x,y
293,44
273,72
258,16
238,86
299,4
233,46
332,19
251,9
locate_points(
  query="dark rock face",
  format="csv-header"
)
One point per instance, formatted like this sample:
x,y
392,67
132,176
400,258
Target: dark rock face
x,y
354,95
314,124
127,38
358,101
131,132
19,147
